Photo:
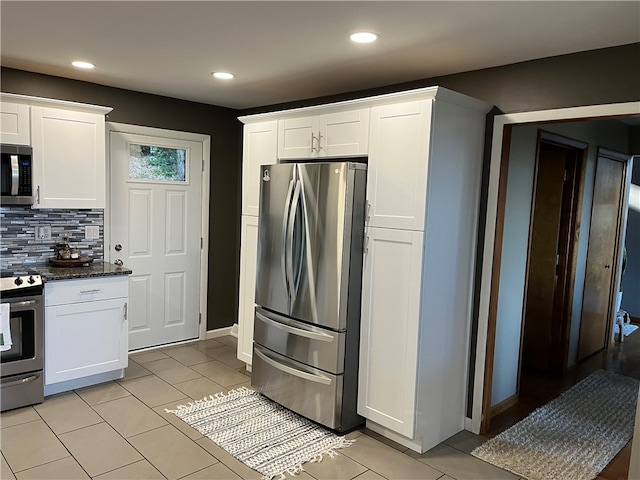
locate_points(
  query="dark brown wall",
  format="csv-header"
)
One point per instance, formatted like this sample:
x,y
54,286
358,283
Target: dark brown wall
x,y
219,123
609,75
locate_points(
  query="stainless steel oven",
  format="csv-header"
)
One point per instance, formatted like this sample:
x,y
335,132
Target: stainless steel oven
x,y
22,356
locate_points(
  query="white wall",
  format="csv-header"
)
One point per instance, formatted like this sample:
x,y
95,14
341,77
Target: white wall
x,y
606,133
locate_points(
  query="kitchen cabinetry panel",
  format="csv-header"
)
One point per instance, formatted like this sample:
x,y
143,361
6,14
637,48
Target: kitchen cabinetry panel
x,y
246,307
259,147
86,337
69,158
340,134
398,163
425,151
14,123
388,349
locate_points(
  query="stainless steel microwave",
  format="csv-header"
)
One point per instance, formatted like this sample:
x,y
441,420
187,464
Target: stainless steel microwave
x,y
17,175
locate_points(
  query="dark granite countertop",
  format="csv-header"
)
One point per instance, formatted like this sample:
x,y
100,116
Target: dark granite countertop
x,y
50,273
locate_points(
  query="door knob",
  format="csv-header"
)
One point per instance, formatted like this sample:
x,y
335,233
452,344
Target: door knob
x,y
118,247
118,262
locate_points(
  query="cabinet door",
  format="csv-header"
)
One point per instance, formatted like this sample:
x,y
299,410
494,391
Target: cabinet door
x,y
387,379
398,163
83,339
259,147
14,124
69,158
298,138
344,134
248,258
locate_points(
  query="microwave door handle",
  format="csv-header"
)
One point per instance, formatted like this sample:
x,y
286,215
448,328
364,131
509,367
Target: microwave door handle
x,y
15,175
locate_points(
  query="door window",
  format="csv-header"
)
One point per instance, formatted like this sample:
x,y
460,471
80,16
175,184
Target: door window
x,y
157,164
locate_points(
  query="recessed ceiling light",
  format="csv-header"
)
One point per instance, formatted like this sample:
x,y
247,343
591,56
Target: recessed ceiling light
x,y
223,75
363,37
85,65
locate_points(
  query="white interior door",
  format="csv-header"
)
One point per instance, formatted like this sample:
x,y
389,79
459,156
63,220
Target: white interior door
x,y
156,231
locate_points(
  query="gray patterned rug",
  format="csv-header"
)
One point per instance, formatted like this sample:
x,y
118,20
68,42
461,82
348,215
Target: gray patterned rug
x,y
574,436
259,432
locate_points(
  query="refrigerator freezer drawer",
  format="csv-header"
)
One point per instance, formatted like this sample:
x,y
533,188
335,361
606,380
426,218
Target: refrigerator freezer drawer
x,y
316,347
307,391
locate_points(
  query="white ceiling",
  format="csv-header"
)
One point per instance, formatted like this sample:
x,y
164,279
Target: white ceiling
x,y
292,50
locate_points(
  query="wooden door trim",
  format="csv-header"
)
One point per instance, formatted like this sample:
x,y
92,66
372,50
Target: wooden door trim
x,y
495,277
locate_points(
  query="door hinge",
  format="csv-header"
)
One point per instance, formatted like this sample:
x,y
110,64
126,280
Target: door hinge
x,y
203,164
201,243
199,318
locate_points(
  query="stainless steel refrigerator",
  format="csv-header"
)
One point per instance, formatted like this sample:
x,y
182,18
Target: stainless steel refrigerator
x,y
308,289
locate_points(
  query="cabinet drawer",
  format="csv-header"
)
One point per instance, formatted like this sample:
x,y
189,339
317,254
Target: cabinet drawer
x,y
85,290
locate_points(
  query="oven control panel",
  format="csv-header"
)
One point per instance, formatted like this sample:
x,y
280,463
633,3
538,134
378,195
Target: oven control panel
x,y
20,281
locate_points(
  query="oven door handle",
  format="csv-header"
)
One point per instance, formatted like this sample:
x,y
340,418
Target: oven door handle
x,y
22,381
25,303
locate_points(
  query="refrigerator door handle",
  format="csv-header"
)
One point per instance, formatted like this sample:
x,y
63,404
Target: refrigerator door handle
x,y
312,377
289,242
322,337
285,236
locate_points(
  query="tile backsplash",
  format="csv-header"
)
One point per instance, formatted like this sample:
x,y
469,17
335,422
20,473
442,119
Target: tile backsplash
x,y
18,243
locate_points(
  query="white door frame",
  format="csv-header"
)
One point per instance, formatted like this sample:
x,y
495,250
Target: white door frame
x,y
590,112
205,140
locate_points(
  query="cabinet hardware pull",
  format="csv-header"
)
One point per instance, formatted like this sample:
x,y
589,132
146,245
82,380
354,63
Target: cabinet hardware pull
x,y
368,215
366,244
313,137
125,310
320,137
95,290
38,195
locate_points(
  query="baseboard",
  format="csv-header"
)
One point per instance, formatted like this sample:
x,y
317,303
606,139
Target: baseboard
x,y
503,405
219,332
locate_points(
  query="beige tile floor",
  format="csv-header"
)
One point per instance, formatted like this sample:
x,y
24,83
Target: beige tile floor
x,y
120,430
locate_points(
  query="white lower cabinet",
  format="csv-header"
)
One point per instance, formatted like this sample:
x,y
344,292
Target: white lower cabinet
x,y
389,336
248,257
86,332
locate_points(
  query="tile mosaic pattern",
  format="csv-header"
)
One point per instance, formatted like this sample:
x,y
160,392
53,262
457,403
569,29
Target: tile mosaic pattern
x,y
120,430
18,244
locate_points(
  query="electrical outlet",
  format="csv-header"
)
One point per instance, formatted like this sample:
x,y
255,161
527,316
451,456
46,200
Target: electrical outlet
x,y
91,232
43,232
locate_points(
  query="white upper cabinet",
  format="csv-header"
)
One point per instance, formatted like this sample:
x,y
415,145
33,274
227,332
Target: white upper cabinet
x,y
398,163
14,123
259,147
339,134
69,168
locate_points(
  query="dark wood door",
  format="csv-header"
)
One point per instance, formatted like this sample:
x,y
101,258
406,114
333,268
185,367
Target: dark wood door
x,y
602,256
543,259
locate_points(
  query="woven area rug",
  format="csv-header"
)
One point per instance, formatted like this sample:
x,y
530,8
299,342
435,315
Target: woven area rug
x,y
259,432
574,436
